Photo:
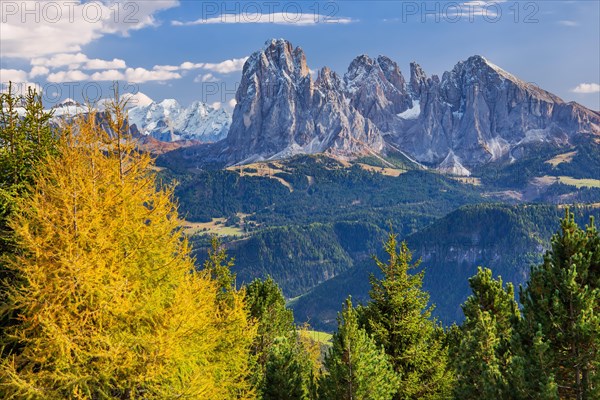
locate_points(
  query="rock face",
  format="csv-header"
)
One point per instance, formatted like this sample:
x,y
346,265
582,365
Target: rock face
x,y
479,113
475,114
280,111
168,121
377,90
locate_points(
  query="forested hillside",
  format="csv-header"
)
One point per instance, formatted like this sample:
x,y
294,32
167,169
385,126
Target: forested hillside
x,y
313,223
103,299
507,239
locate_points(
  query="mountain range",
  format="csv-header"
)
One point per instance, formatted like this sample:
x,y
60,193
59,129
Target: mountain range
x,y
316,168
308,174
165,121
474,115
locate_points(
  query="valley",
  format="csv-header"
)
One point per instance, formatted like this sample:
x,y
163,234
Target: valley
x,y
471,169
317,240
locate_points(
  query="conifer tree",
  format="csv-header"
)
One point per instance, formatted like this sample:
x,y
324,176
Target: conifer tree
x,y
109,303
313,351
356,369
274,321
289,372
285,364
233,353
218,267
483,356
24,140
561,317
399,319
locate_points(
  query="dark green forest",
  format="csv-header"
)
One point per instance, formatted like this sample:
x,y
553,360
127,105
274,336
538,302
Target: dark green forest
x,y
317,240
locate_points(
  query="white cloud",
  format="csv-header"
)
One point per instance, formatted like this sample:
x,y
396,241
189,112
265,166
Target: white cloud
x,y
78,60
224,67
586,88
216,105
96,63
65,26
166,68
109,75
231,103
569,23
67,76
205,78
227,66
38,70
61,60
279,18
13,75
141,75
133,75
190,65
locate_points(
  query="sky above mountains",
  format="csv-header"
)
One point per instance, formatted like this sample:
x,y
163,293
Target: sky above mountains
x,y
195,50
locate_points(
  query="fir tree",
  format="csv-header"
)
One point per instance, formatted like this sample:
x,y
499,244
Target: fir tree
x,y
285,361
399,319
483,356
356,369
24,140
266,306
561,317
288,374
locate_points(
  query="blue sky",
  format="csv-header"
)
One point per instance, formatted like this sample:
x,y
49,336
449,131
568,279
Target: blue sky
x,y
194,50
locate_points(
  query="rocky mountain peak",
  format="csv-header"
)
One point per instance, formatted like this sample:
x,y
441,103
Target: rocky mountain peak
x,y
418,80
475,114
279,54
481,113
280,111
377,89
328,79
168,121
392,72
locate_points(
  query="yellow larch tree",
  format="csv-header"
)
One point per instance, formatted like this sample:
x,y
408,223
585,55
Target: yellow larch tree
x,y
110,304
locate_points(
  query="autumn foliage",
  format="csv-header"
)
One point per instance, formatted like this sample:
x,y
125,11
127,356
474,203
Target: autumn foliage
x,y
108,301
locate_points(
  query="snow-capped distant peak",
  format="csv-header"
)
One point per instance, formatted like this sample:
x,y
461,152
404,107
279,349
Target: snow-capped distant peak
x,y
66,103
168,121
170,103
137,99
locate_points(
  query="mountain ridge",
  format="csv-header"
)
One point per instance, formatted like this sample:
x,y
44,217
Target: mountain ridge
x,y
476,114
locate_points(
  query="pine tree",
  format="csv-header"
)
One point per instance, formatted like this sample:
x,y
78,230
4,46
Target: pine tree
x,y
356,369
24,140
275,322
561,317
483,356
286,361
288,371
109,303
399,319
